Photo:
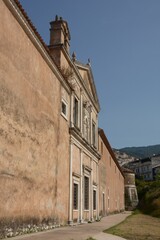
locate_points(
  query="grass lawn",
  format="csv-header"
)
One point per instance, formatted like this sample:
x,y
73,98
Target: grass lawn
x,y
138,227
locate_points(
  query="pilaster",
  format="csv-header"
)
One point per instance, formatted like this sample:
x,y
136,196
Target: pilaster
x,y
81,187
70,221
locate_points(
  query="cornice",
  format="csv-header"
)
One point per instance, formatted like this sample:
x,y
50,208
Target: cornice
x,y
76,71
73,132
107,144
89,70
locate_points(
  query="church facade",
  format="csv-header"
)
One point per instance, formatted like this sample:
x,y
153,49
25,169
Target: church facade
x,y
50,158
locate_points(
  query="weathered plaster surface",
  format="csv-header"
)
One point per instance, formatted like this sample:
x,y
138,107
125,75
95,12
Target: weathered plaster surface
x,y
31,130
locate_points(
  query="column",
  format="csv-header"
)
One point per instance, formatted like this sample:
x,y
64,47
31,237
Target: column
x,y
91,125
81,111
70,186
91,192
71,110
81,186
97,132
97,192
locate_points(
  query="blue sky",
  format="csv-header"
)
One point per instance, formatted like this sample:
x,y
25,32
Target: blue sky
x,y
122,39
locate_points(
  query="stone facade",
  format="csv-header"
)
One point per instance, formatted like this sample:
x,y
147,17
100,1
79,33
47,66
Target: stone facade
x,y
84,108
50,163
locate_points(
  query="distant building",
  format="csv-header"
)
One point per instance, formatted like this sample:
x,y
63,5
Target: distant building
x,y
145,168
156,171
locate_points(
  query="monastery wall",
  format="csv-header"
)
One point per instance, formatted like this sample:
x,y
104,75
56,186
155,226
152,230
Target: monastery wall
x,y
34,141
111,182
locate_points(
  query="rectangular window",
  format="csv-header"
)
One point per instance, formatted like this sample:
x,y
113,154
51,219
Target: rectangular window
x,y
86,193
64,108
101,147
133,195
75,112
108,203
94,199
93,134
75,196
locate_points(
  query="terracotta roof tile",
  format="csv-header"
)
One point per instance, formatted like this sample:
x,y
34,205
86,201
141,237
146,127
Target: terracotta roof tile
x,y
106,142
35,31
30,23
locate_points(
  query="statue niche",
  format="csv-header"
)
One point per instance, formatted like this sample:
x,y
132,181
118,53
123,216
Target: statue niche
x,y
86,121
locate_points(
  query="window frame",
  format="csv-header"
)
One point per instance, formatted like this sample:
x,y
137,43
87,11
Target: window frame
x,y
65,115
86,193
101,148
75,195
76,111
94,199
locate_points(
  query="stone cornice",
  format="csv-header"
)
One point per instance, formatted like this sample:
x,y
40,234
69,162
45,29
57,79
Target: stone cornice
x,y
74,132
107,144
76,71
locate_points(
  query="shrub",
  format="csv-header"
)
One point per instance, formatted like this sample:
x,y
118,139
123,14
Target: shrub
x,y
149,197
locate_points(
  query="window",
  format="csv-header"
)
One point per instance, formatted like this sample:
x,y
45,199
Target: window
x,y
86,193
93,133
133,195
101,147
75,196
94,199
75,112
64,108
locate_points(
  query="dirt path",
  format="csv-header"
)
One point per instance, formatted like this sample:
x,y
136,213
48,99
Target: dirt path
x,y
80,232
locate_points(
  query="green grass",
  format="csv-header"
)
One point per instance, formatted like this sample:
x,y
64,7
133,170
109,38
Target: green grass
x,y
137,227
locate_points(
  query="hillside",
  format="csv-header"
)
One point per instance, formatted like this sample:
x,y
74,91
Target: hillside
x,y
141,152
122,157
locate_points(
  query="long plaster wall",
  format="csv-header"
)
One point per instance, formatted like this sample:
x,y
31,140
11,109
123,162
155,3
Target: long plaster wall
x,y
111,182
34,142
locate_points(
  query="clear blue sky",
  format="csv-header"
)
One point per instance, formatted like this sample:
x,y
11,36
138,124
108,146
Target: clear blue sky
x,y
122,39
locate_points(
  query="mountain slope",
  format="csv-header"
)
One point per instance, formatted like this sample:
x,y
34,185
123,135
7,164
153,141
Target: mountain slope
x,y
122,157
142,152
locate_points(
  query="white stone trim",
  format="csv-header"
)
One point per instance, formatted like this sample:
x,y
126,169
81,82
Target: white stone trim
x,y
86,151
70,187
66,104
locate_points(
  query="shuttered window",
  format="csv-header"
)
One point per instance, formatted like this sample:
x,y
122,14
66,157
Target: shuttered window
x,y
86,193
94,199
75,196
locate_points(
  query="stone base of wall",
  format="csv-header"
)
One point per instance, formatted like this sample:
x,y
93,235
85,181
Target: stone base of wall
x,y
12,228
